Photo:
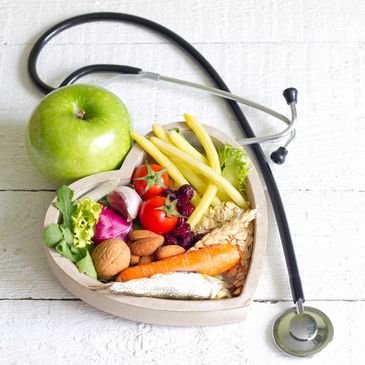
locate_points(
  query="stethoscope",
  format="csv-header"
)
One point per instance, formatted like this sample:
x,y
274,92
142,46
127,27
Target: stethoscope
x,y
299,331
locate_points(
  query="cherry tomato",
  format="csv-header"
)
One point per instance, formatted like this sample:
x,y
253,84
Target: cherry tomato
x,y
159,214
150,180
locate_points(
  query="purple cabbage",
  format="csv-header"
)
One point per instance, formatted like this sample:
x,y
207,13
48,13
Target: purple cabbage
x,y
110,225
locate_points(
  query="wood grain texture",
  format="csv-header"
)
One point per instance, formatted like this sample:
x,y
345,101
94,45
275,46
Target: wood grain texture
x,y
225,21
259,47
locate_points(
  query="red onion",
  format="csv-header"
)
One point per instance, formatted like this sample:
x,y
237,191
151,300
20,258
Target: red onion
x,y
110,225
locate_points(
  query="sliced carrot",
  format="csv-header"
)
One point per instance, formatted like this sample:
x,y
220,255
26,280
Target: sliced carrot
x,y
211,260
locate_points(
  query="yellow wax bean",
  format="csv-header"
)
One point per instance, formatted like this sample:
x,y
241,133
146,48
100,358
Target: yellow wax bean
x,y
203,169
160,132
181,143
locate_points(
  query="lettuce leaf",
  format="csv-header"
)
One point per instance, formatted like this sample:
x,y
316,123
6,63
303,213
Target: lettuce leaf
x,y
52,235
62,236
67,249
86,265
84,220
235,166
65,204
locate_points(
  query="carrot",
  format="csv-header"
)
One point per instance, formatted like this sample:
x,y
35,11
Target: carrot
x,y
210,260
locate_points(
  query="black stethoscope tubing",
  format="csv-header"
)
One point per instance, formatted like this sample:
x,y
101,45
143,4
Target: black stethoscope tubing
x,y
283,226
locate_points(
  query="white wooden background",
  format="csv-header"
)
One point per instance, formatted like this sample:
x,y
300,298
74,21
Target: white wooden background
x,y
260,48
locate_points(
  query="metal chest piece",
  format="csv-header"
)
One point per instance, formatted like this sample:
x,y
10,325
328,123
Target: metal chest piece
x,y
302,331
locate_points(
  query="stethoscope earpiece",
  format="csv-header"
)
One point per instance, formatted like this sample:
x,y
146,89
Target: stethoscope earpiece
x,y
279,155
291,96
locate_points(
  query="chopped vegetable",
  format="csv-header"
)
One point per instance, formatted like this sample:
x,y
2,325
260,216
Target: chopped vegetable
x,y
203,169
158,156
125,201
84,219
212,260
150,180
110,225
235,166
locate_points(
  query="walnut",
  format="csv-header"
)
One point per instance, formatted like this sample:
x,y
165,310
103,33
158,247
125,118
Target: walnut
x,y
110,257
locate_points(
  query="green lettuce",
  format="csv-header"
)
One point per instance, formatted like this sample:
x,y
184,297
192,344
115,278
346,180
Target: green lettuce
x,y
61,237
235,166
84,219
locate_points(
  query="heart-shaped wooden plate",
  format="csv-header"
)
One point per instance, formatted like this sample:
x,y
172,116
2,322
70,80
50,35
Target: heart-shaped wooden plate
x,y
165,311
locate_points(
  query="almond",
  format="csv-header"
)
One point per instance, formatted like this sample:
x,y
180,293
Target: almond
x,y
169,251
146,246
140,234
146,259
134,260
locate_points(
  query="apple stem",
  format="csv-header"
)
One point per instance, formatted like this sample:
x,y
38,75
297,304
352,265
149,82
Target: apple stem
x,y
80,114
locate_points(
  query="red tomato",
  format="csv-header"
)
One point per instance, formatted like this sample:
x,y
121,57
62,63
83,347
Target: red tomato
x,y
159,214
150,180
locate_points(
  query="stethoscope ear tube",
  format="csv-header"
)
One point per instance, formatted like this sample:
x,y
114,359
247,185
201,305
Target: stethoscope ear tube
x,y
294,277
277,156
83,71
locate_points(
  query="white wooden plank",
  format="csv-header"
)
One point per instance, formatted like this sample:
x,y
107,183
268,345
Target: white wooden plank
x,y
330,251
72,332
260,47
223,21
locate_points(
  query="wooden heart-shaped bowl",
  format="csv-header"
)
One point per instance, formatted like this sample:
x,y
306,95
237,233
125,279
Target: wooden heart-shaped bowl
x,y
164,311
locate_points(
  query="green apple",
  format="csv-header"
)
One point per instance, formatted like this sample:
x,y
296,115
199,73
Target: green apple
x,y
77,131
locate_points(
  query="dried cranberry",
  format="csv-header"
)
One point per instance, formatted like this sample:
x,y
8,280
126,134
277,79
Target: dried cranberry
x,y
197,238
185,193
170,240
187,240
181,231
185,209
180,222
170,192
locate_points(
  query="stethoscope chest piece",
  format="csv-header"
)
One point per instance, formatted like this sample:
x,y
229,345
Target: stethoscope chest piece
x,y
302,334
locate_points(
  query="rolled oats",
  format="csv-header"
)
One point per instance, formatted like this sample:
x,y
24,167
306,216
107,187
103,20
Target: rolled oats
x,y
230,224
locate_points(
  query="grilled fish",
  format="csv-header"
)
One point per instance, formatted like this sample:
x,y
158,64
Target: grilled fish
x,y
178,285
